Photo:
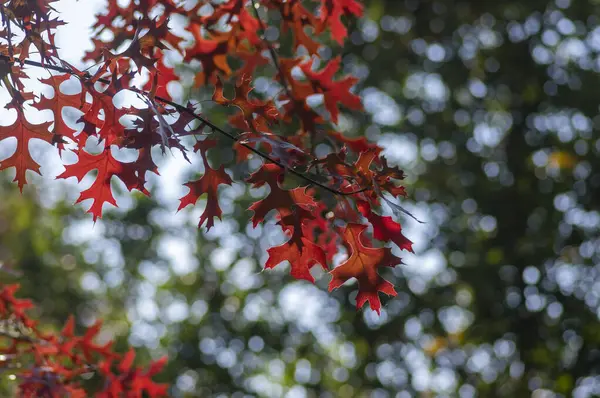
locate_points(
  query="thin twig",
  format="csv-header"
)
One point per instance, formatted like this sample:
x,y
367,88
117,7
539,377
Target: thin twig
x,y
17,337
271,51
207,122
282,78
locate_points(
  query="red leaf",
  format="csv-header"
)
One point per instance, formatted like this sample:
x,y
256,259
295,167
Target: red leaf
x,y
107,167
164,75
212,53
89,347
278,199
24,132
384,227
264,110
246,27
127,361
357,144
297,18
69,328
299,250
156,366
331,13
334,92
207,184
362,264
110,128
59,101
17,306
301,258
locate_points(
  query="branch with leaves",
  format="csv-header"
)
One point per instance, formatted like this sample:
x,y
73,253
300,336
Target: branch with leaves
x,y
47,364
343,180
349,170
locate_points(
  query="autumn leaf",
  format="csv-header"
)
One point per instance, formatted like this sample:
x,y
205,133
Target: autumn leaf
x,y
286,152
127,361
162,77
207,184
100,191
356,144
212,54
301,258
69,328
334,92
296,17
23,132
384,227
334,175
17,306
57,103
363,264
331,13
264,110
131,379
284,201
110,128
299,251
247,25
89,347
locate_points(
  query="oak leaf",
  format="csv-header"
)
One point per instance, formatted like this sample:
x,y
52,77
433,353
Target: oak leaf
x,y
331,13
23,132
284,201
363,264
264,111
207,184
384,227
212,54
57,103
299,250
100,191
334,92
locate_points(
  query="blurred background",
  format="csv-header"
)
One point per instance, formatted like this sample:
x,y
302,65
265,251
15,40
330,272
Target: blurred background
x,y
489,106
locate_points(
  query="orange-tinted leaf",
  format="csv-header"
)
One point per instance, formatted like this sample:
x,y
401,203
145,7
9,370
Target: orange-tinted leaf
x,y
384,227
207,184
59,101
278,199
334,92
301,258
246,26
212,53
331,13
363,264
263,110
127,361
100,191
69,328
299,250
24,132
297,18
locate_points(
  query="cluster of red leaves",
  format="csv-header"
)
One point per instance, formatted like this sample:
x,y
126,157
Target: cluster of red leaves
x,y
349,170
56,364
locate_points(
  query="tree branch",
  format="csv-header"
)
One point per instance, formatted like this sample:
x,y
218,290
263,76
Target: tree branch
x,y
272,51
207,122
